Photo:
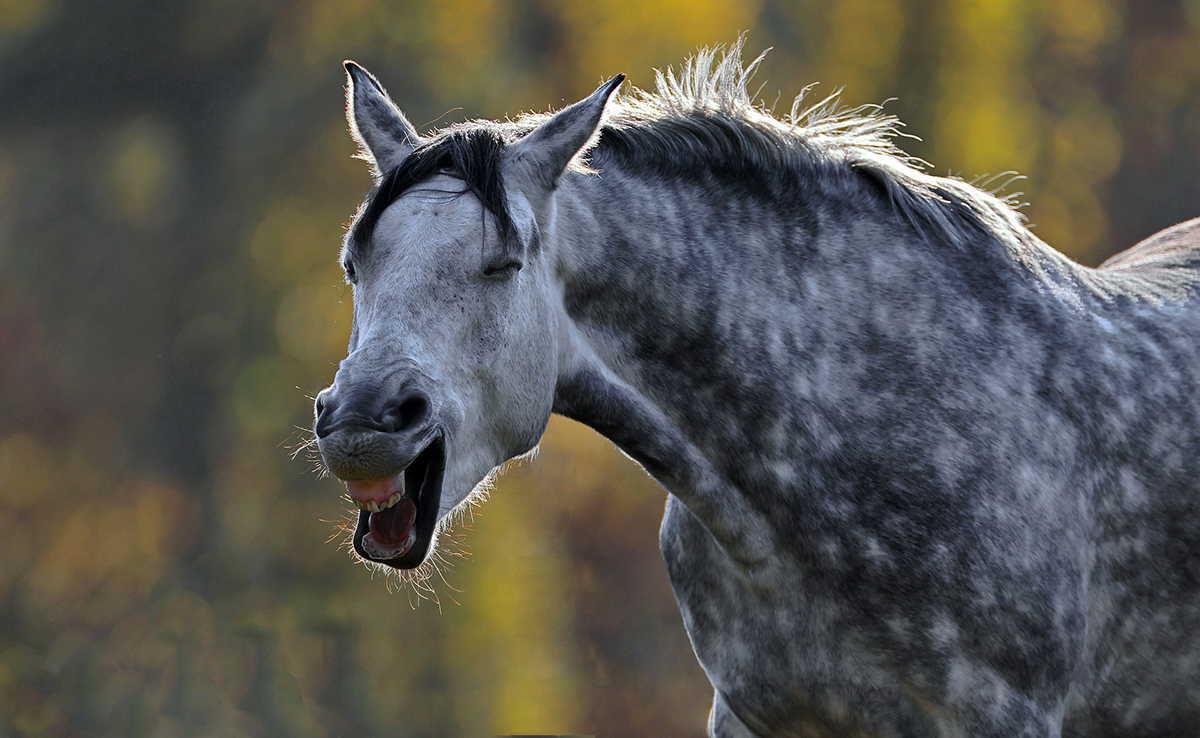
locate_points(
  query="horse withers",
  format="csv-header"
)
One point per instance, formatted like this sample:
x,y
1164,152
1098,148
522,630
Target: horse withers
x,y
926,476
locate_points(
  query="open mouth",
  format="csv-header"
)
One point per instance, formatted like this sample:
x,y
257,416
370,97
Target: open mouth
x,y
397,515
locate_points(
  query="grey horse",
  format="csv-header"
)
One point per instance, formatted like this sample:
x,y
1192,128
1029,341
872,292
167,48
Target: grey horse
x,y
926,476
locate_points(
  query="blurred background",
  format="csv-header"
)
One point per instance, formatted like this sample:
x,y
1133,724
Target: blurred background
x,y
174,181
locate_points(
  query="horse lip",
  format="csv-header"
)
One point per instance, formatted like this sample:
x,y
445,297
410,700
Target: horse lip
x,y
428,498
357,454
350,422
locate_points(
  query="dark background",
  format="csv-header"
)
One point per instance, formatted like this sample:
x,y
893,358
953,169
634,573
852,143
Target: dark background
x,y
174,180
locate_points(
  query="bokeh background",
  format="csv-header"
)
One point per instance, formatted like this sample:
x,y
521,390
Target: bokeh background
x,y
174,181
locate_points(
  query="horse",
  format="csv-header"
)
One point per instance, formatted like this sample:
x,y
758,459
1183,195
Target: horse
x,y
925,475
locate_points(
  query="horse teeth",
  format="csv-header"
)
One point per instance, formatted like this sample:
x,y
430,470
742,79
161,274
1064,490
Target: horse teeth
x,y
373,506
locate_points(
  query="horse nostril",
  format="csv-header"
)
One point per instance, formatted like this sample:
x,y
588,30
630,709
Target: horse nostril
x,y
325,407
406,414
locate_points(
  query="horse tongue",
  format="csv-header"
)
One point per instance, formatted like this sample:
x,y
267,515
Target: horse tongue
x,y
391,527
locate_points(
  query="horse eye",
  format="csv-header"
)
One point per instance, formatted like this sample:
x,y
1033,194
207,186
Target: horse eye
x,y
502,269
350,275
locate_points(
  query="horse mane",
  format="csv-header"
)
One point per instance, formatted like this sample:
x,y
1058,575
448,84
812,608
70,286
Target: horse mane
x,y
706,113
703,121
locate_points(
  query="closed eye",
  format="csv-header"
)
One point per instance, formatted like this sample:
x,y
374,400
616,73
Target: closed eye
x,y
500,270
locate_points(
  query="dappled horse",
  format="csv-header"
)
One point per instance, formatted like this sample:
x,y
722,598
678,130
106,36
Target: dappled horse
x,y
927,476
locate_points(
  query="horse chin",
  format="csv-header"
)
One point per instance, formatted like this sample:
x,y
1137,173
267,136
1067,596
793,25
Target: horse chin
x,y
424,477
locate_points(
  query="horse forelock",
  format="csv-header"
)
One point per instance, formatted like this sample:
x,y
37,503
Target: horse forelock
x,y
471,152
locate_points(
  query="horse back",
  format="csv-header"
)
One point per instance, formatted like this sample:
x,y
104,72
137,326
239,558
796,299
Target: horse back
x,y
1174,247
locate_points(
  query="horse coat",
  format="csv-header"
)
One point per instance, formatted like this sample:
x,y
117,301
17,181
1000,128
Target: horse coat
x,y
926,476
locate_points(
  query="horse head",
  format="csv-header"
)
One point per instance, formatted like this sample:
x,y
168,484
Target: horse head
x,y
455,345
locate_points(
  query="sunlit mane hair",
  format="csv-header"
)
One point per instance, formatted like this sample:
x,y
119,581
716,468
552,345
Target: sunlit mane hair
x,y
703,121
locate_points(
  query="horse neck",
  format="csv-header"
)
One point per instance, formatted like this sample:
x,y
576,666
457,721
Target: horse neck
x,y
731,344
675,277
719,304
699,324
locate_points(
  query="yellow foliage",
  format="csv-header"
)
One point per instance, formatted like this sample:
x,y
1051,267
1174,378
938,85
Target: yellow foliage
x,y
313,321
987,119
1086,23
92,545
293,239
25,15
104,551
266,400
1086,144
862,45
610,36
513,638
27,477
464,38
144,170
326,27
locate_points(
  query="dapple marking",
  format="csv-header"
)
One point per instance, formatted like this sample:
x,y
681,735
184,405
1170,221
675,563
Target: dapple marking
x,y
926,476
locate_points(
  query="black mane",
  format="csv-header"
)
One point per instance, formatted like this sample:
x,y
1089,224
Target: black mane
x,y
472,154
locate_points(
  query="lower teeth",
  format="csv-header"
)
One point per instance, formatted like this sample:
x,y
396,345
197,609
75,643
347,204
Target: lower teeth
x,y
386,553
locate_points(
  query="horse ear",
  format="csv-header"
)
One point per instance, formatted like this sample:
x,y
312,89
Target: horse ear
x,y
383,133
546,152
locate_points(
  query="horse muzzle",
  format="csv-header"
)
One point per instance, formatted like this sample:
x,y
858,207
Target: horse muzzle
x,y
392,458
